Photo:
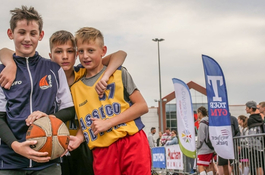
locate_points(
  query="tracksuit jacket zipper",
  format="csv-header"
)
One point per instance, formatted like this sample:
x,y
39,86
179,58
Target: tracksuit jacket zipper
x,y
31,92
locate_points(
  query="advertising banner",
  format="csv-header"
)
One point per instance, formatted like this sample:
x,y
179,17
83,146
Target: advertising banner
x,y
174,157
218,109
185,118
158,157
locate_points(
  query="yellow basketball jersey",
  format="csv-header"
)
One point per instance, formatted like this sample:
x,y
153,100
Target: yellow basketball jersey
x,y
72,125
88,105
79,73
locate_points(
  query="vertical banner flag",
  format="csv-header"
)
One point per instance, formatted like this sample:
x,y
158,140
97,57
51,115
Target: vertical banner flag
x,y
185,118
218,109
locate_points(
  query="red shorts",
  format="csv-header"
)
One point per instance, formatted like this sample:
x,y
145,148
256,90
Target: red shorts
x,y
130,155
205,159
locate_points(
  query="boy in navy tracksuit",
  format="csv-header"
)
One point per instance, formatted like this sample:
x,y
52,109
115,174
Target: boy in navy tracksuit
x,y
40,88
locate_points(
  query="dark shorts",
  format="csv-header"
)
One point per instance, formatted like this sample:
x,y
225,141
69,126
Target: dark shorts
x,y
79,163
222,162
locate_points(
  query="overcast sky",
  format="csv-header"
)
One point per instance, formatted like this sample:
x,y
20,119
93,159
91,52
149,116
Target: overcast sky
x,y
231,32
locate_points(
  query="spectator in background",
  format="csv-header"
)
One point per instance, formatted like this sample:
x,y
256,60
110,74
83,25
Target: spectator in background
x,y
254,127
244,151
224,165
151,139
165,137
158,141
174,140
204,152
261,108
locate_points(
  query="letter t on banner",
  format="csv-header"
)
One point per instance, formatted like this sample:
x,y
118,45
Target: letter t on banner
x,y
218,109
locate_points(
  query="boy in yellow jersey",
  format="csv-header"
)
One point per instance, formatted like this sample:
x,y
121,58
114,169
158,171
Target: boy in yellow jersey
x,y
63,52
111,125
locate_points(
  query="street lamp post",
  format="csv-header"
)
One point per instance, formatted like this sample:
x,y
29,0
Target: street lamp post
x,y
160,93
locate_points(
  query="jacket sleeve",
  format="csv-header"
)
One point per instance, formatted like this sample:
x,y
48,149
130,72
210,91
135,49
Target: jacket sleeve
x,y
150,141
201,135
237,130
6,134
66,114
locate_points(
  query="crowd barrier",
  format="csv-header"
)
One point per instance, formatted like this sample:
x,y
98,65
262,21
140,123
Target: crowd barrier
x,y
249,157
249,154
170,160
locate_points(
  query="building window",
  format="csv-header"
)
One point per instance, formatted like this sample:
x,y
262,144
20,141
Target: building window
x,y
171,114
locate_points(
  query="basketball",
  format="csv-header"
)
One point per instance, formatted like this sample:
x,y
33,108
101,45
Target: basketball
x,y
51,134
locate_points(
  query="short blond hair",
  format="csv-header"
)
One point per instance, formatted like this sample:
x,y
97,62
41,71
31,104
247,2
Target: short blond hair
x,y
61,37
262,104
87,34
29,14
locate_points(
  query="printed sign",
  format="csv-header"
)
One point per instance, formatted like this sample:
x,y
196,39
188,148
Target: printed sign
x,y
158,157
174,157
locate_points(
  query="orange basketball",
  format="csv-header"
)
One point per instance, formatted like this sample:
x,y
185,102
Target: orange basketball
x,y
51,134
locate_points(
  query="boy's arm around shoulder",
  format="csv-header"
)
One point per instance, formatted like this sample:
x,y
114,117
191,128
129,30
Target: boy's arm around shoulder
x,y
112,62
8,74
138,108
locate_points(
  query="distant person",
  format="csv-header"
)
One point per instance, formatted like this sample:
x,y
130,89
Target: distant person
x,y
254,125
174,139
204,152
244,151
225,164
158,141
261,108
151,140
165,137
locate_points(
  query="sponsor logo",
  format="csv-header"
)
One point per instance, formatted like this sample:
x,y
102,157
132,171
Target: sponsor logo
x,y
218,106
224,132
45,82
186,136
83,103
16,83
158,157
221,139
173,154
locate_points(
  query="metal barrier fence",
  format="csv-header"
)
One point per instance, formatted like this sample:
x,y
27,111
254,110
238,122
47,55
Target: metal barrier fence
x,y
249,158
249,155
169,160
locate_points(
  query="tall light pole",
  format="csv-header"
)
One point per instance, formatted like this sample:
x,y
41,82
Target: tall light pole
x,y
160,93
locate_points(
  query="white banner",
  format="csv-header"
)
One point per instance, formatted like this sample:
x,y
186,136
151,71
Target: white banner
x,y
185,118
174,157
